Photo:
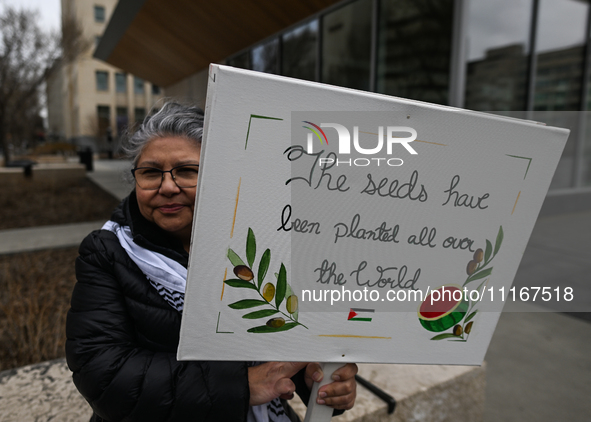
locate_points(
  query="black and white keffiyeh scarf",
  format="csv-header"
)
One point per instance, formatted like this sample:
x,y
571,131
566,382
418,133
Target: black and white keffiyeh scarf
x,y
169,278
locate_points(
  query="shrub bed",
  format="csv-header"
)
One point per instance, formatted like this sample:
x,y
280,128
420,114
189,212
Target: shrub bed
x,y
30,205
35,287
35,291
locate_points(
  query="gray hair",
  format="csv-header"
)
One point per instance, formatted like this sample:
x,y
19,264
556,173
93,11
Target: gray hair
x,y
173,119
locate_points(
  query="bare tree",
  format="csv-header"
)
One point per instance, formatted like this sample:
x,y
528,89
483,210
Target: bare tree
x,y
28,56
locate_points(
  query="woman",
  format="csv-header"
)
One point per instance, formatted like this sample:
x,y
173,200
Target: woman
x,y
124,322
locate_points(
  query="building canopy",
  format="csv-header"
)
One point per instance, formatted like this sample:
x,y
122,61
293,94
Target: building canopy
x,y
165,42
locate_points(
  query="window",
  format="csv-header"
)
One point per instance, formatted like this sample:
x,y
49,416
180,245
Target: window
x,y
299,51
414,49
346,45
121,82
122,120
138,85
99,13
104,119
560,56
498,55
265,57
102,80
155,90
242,61
140,114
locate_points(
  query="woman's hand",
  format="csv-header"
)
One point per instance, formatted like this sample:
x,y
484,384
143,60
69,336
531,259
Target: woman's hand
x,y
271,380
341,393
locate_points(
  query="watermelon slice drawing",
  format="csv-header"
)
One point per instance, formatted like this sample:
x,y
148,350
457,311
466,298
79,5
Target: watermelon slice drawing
x,y
444,313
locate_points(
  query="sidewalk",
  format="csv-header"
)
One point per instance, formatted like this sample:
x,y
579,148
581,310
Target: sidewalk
x,y
539,363
538,368
109,175
45,237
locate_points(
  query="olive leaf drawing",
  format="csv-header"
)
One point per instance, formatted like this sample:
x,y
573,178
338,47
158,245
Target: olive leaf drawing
x,y
281,282
263,267
443,336
280,291
251,247
469,317
234,259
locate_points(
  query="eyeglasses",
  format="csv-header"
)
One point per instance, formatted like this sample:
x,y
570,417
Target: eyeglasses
x,y
150,178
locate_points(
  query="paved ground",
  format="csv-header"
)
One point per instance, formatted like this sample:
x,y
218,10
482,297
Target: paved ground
x,y
110,175
539,363
37,238
539,368
559,255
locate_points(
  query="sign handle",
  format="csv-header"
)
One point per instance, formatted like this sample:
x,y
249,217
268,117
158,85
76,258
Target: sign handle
x,y
320,412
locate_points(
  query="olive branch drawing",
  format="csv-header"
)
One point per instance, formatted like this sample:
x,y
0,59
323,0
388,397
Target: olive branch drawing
x,y
281,292
476,270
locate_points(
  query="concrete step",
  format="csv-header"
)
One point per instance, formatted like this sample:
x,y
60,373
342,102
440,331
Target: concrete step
x,y
45,237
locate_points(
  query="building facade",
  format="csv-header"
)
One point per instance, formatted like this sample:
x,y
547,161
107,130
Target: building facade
x,y
524,58
90,99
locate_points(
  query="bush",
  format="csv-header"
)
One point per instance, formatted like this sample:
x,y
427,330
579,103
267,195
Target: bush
x,y
62,148
35,291
30,204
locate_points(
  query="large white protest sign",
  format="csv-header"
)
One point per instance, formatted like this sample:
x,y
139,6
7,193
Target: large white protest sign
x,y
342,226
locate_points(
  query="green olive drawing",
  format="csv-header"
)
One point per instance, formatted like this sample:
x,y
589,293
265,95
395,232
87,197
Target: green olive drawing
x,y
268,292
468,327
276,322
457,330
292,304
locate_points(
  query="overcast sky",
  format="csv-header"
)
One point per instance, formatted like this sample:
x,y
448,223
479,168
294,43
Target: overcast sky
x,y
49,10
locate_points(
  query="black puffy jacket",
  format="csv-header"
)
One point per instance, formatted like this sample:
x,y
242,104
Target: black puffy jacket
x,y
122,338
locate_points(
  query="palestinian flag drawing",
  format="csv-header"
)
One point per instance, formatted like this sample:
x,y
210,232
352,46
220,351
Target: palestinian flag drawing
x,y
358,314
